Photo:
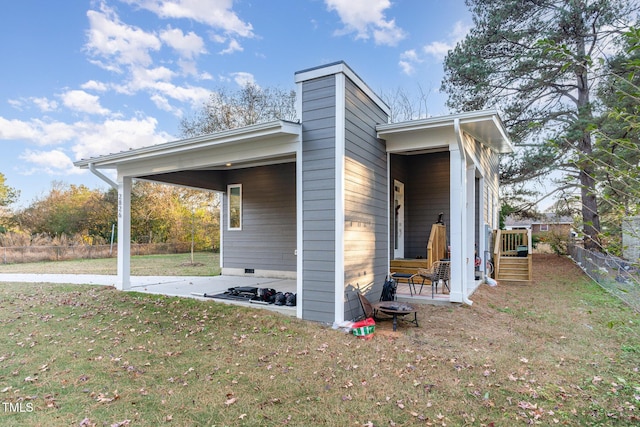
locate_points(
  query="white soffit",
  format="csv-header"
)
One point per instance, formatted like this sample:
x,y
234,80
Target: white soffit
x,y
433,132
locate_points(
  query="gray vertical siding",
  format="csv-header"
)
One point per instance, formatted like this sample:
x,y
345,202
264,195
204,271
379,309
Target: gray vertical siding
x,y
267,240
365,207
426,179
318,198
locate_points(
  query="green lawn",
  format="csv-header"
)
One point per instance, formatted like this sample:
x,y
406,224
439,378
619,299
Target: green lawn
x,y
558,351
204,264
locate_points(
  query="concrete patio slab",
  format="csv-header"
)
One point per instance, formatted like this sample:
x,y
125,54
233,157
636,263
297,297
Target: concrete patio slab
x,y
180,286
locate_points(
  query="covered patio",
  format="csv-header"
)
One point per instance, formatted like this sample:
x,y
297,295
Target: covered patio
x,y
443,170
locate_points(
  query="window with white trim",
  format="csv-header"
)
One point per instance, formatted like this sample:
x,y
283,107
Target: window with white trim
x,y
234,207
544,227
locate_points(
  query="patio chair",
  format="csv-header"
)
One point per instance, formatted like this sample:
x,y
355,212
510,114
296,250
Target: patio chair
x,y
389,308
439,270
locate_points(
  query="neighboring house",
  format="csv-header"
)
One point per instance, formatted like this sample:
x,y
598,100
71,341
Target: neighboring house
x,y
331,199
548,222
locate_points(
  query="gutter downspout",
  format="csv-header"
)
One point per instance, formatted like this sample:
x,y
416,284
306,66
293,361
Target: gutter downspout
x,y
463,154
102,176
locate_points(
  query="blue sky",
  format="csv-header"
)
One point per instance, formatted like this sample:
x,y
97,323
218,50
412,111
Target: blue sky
x,y
87,78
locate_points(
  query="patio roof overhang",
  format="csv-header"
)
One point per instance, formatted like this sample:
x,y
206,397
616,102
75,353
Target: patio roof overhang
x,y
437,133
260,144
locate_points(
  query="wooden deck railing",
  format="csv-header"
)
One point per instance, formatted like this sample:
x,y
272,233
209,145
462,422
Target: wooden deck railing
x,y
437,245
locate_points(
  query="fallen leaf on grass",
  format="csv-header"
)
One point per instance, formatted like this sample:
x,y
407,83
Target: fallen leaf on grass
x,y
230,400
104,398
527,405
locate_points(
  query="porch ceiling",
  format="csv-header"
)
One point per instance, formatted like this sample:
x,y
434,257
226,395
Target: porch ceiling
x,y
261,144
437,133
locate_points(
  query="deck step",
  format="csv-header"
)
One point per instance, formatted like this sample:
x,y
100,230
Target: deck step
x,y
514,268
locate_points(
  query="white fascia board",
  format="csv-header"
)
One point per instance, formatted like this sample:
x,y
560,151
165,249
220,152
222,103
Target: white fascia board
x,y
341,67
233,136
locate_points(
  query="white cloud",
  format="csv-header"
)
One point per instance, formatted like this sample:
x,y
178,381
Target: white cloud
x,y
81,101
115,43
233,46
113,136
367,19
437,50
94,85
217,14
243,78
35,131
16,129
407,67
187,45
163,104
157,82
54,162
45,104
408,60
440,48
88,139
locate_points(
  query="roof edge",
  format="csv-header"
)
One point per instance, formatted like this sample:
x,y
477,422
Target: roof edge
x,y
274,126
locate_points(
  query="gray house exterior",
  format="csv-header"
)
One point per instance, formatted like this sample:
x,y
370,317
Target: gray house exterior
x,y
318,200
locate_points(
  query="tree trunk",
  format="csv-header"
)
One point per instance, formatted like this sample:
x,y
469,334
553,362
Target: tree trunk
x,y
590,217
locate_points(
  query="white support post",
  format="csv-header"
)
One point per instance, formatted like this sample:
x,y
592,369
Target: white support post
x,y
339,205
457,193
124,234
471,224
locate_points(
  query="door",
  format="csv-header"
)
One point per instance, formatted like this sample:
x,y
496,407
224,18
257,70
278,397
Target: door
x,y
398,221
